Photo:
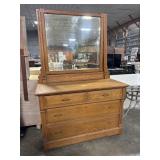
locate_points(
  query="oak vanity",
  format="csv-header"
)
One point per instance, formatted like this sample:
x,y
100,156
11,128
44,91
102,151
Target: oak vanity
x,y
78,101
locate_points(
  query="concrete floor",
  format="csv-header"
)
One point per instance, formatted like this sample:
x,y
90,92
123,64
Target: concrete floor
x,y
126,144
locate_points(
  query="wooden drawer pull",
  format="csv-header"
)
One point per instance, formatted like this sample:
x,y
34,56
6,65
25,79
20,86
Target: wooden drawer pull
x,y
109,107
105,94
66,99
57,115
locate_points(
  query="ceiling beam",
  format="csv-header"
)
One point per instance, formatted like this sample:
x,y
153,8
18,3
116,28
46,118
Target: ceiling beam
x,y
121,26
130,16
125,24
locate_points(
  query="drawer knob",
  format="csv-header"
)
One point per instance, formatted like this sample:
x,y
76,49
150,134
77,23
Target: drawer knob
x,y
58,115
106,94
66,99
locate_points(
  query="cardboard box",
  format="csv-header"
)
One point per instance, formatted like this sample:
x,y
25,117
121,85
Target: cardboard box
x,y
119,50
110,50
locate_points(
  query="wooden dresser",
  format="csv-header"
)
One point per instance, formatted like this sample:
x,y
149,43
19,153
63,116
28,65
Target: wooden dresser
x,y
76,105
82,111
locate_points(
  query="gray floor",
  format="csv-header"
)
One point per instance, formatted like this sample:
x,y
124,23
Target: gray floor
x,y
126,144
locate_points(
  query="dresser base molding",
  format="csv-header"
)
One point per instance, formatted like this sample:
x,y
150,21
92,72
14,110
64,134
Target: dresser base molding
x,y
81,138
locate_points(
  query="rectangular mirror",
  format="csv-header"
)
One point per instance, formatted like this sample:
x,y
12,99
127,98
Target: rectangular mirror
x,y
73,42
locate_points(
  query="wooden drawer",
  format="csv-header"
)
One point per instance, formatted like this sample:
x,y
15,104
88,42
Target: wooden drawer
x,y
78,98
105,95
74,128
82,110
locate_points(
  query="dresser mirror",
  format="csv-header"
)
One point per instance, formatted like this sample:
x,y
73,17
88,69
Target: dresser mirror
x,y
72,45
73,42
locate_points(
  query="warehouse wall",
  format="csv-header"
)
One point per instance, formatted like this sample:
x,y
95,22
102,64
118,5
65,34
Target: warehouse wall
x,y
118,39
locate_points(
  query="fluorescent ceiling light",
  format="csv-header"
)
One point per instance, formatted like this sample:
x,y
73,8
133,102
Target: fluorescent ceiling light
x,y
86,17
35,22
65,45
72,39
85,29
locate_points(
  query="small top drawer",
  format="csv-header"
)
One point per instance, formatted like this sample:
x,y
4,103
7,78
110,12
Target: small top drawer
x,y
84,97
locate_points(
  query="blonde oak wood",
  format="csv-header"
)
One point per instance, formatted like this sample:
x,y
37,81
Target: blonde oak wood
x,y
85,97
50,89
78,105
81,138
72,128
72,77
82,111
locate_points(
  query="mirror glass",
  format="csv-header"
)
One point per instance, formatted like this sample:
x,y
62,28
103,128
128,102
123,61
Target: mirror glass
x,y
73,42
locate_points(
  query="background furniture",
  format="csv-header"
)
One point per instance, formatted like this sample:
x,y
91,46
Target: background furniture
x,y
29,110
133,56
133,90
24,58
76,103
133,94
130,79
114,60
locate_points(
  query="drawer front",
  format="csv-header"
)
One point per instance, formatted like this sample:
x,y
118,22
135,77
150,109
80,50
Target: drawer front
x,y
77,98
105,95
83,110
65,99
74,128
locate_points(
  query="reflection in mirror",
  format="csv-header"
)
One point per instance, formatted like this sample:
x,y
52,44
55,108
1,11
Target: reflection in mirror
x,y
73,42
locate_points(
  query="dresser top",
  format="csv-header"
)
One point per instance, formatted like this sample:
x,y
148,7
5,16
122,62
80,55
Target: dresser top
x,y
50,89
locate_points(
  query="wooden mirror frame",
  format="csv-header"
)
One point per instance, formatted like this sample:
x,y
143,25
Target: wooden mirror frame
x,y
47,76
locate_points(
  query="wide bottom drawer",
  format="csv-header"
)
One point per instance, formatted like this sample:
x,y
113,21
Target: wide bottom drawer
x,y
73,128
83,110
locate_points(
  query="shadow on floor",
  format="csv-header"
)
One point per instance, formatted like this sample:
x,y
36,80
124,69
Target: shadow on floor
x,y
120,145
